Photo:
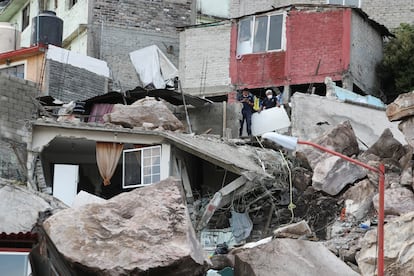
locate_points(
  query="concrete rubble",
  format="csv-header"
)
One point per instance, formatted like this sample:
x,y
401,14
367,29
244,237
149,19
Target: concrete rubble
x,y
143,232
147,113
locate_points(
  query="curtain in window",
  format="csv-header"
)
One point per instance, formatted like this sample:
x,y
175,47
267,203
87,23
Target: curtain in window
x,y
98,110
107,156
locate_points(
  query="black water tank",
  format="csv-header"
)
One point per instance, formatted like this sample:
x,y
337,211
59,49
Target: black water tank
x,y
47,28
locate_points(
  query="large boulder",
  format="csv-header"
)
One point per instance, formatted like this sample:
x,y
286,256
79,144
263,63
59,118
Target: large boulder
x,y
402,107
143,232
147,113
387,147
358,199
398,248
341,139
332,174
20,207
397,201
290,257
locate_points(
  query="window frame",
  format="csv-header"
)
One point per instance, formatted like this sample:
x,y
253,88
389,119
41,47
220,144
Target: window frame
x,y
72,3
268,27
25,17
142,150
344,3
28,268
15,64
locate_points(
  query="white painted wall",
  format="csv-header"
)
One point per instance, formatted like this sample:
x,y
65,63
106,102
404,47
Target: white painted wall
x,y
218,8
72,19
79,44
366,53
94,65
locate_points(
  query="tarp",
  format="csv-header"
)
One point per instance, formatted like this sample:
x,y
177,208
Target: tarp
x,y
153,67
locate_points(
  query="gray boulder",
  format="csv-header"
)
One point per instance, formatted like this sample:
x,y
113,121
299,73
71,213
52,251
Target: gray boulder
x,y
398,248
332,174
20,207
397,201
147,113
358,199
290,257
143,232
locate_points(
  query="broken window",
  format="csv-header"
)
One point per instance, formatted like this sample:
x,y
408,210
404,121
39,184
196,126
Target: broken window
x,y
141,166
265,35
25,17
354,3
17,71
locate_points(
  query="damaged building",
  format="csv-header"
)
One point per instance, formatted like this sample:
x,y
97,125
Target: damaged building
x,y
308,43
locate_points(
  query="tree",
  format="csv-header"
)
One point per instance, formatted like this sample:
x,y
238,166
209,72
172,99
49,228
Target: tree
x,y
396,70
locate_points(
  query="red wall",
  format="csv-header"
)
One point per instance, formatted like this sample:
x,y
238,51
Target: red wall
x,y
311,36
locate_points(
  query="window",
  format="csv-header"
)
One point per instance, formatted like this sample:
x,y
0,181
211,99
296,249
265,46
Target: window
x,y
17,71
25,17
72,3
260,34
15,263
353,3
141,166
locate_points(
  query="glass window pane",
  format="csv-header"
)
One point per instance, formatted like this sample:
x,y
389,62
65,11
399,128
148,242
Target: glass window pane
x,y
132,168
155,161
156,151
244,29
147,161
275,32
147,171
155,178
156,169
14,264
354,3
147,180
260,34
336,2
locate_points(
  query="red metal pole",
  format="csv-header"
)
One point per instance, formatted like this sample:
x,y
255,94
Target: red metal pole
x,y
381,189
380,228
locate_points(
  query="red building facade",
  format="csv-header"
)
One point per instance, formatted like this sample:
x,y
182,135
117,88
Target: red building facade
x,y
312,42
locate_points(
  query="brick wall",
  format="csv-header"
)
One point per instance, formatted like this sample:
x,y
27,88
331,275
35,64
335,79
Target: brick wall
x,y
366,53
118,42
16,109
128,25
69,83
388,13
313,37
204,60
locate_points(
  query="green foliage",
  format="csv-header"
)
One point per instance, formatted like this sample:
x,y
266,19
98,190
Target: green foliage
x,y
396,70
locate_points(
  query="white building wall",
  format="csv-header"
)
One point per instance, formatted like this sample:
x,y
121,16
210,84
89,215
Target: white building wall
x,y
218,8
366,53
72,20
204,61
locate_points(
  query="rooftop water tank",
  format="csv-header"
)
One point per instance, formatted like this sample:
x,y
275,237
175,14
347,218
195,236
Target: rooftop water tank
x,y
47,28
9,37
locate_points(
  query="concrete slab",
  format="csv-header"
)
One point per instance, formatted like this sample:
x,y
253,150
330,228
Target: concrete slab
x,y
312,115
268,120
